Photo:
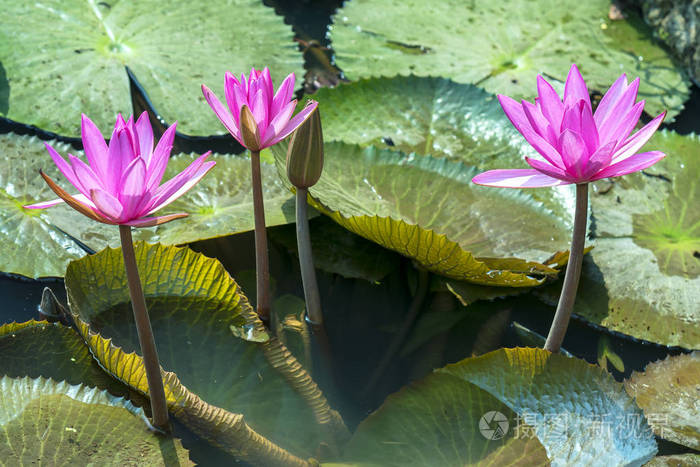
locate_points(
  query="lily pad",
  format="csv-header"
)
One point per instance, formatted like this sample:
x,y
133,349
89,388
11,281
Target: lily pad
x,y
41,419
41,349
643,276
62,58
341,252
251,398
442,420
501,46
40,243
433,116
668,392
577,411
428,209
30,244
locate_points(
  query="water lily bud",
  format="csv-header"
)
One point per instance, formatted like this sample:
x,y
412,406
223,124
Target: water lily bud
x,y
249,129
305,152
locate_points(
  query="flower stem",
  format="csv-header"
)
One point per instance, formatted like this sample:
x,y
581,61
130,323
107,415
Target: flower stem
x,y
262,264
573,273
308,278
156,392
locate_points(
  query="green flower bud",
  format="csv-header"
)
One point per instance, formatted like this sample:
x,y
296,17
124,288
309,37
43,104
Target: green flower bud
x,y
305,152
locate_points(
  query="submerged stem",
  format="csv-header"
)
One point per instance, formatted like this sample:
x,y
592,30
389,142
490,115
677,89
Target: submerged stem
x,y
156,392
262,264
573,272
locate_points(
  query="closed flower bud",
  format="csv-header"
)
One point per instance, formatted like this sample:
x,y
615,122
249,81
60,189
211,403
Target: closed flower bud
x,y
305,152
249,130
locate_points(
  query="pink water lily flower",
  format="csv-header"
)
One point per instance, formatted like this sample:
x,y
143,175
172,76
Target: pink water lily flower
x,y
576,144
271,111
120,184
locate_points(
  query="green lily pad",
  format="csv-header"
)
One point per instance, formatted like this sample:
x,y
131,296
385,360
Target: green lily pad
x,y
40,243
576,410
62,58
41,349
502,46
30,244
251,398
41,419
341,252
442,420
428,209
668,392
643,276
433,116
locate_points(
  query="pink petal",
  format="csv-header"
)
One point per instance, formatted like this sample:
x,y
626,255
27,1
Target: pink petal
x,y
607,103
293,124
571,120
539,123
133,187
283,95
606,129
574,153
144,132
547,169
639,139
152,221
268,89
259,110
88,179
280,120
575,88
133,139
516,115
628,122
599,160
551,104
174,194
516,178
114,164
589,132
221,112
171,186
159,160
54,202
65,168
230,85
631,164
94,146
107,204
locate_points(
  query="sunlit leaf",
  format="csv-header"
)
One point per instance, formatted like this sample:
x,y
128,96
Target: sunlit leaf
x,y
228,390
501,46
428,209
44,422
668,392
62,58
